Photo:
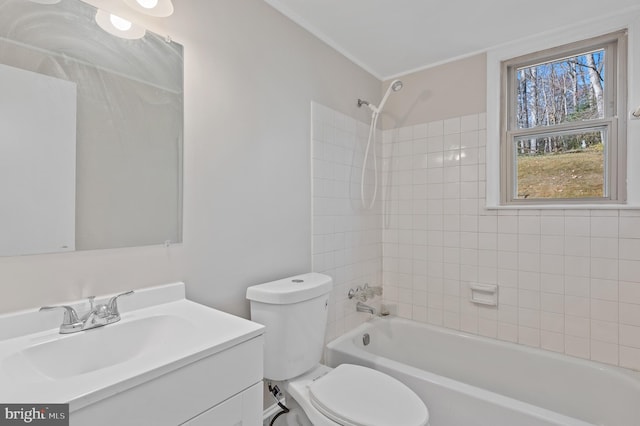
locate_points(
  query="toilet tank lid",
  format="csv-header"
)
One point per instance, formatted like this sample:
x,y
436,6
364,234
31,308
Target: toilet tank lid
x,y
291,290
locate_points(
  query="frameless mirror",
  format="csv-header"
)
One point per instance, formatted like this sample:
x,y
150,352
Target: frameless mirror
x,y
91,132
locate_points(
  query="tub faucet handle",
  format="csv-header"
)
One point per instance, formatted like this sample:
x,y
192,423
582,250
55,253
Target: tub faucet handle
x,y
357,293
365,292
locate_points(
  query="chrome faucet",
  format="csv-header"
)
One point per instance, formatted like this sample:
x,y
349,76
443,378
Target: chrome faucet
x,y
364,293
361,307
97,316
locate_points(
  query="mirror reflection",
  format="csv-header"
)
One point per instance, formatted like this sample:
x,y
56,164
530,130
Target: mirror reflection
x,y
91,132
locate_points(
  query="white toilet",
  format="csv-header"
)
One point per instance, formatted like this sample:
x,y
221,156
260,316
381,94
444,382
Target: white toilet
x,y
294,311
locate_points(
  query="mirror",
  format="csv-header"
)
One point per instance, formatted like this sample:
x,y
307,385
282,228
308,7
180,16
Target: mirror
x,y
91,132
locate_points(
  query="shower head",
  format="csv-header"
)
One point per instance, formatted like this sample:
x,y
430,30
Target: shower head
x,y
395,85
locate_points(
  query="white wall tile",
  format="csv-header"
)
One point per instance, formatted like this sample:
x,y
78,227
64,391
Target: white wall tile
x,y
630,314
420,131
604,268
569,279
604,247
629,226
436,128
529,225
629,357
630,336
507,224
552,302
469,123
529,336
452,125
576,245
629,270
576,306
552,225
605,331
552,341
604,310
606,226
347,240
577,346
629,249
577,226
629,292
470,139
605,289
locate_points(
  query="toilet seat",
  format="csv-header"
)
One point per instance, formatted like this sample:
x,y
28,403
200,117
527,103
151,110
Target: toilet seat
x,y
352,395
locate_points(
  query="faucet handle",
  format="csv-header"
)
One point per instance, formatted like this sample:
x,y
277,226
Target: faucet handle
x,y
71,322
357,293
112,305
365,292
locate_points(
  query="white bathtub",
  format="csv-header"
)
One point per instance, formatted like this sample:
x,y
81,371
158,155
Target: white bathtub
x,y
467,380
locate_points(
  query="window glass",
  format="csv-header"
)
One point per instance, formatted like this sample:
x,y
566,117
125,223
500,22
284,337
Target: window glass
x,y
565,165
560,91
562,139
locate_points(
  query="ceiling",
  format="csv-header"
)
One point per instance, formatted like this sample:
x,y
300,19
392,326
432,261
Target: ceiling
x,y
390,38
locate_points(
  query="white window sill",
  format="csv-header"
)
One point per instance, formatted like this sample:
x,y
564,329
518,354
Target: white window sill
x,y
565,207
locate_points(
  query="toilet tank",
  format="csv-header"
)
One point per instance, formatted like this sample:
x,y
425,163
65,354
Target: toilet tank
x,y
294,312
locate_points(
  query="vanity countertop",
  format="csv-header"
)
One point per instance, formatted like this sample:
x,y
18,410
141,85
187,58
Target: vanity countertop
x,y
159,332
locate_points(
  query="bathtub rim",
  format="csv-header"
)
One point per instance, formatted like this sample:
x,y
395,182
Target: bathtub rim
x,y
345,347
626,373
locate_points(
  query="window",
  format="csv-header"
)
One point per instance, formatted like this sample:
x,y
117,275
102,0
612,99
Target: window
x,y
563,139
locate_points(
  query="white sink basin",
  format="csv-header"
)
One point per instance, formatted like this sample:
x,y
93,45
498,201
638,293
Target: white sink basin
x,y
103,347
159,331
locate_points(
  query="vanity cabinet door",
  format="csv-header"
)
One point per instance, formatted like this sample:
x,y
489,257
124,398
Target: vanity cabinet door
x,y
244,409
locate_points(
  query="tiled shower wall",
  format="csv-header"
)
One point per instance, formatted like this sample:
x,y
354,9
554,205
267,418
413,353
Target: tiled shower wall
x,y
347,238
569,280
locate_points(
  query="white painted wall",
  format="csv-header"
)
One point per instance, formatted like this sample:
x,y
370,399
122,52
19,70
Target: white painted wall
x,y
250,76
448,90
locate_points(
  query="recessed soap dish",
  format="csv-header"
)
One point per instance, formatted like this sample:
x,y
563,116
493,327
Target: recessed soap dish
x,y
484,294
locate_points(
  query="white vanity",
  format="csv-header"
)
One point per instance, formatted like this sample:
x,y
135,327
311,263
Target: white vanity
x,y
168,361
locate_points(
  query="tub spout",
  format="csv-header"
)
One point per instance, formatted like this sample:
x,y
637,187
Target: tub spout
x,y
361,307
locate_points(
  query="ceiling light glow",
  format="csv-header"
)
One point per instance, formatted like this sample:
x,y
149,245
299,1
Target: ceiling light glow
x,y
156,8
120,23
148,4
118,26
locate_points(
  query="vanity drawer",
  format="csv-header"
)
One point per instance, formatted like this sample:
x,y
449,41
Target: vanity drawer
x,y
240,410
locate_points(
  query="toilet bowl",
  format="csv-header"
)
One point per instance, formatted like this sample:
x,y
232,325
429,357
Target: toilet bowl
x,y
294,311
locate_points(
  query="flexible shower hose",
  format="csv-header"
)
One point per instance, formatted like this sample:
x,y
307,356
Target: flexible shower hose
x,y
372,137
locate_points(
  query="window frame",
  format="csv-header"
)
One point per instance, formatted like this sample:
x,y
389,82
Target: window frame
x,y
614,121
